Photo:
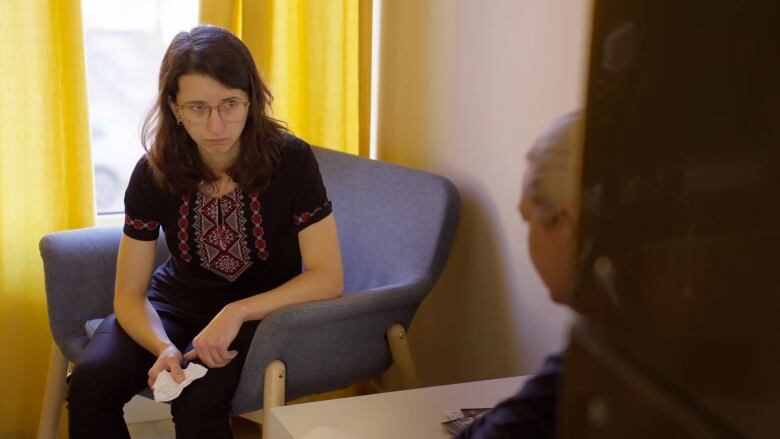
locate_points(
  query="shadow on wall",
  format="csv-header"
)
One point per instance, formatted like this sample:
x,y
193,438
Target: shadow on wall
x,y
451,340
450,323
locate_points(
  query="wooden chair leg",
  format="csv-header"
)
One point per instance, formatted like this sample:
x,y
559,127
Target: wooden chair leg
x,y
402,355
54,395
273,391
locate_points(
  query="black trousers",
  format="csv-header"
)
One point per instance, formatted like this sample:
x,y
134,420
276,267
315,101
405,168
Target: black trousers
x,y
114,368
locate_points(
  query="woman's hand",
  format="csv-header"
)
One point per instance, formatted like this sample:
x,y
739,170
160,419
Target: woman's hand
x,y
170,359
211,345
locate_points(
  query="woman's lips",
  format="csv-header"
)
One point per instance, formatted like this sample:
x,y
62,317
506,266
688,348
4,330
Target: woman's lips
x,y
216,141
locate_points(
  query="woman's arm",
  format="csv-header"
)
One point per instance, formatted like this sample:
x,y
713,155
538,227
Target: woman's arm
x,y
135,264
322,278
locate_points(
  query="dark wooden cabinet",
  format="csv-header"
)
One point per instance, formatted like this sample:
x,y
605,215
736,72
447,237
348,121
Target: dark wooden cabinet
x,y
678,290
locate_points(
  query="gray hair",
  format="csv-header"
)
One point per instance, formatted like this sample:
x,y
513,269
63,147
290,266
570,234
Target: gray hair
x,y
552,175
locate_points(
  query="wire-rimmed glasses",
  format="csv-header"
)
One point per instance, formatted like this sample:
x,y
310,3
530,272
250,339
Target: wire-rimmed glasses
x,y
229,111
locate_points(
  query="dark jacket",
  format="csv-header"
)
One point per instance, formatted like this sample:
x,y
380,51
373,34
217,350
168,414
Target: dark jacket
x,y
530,413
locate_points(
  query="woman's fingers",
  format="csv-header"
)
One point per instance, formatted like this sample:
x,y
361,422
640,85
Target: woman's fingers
x,y
215,358
211,358
205,357
169,360
175,368
212,343
212,355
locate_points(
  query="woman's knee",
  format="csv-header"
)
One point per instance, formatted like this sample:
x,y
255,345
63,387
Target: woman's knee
x,y
97,382
201,414
204,399
100,377
112,366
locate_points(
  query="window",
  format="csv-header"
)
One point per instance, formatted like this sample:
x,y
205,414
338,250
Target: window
x,y
124,45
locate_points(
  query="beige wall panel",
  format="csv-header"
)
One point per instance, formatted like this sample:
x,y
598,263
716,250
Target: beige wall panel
x,y
465,87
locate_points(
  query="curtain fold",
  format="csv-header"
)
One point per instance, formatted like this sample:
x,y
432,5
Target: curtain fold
x,y
311,56
45,184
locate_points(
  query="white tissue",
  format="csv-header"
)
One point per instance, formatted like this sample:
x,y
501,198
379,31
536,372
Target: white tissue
x,y
166,389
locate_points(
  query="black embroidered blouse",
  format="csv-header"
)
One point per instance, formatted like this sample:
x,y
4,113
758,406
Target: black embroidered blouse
x,y
228,248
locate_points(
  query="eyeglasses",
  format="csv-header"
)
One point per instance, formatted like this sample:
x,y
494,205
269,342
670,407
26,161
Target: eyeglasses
x,y
229,111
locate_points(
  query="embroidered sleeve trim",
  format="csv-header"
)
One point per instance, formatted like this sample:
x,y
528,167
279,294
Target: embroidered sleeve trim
x,y
307,216
140,224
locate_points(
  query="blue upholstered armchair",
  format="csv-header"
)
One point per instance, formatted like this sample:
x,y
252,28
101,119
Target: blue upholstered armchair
x,y
396,226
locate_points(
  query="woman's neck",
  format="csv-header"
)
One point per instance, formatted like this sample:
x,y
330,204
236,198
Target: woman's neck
x,y
218,164
223,185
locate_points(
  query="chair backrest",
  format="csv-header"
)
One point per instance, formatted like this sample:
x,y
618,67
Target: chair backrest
x,y
395,224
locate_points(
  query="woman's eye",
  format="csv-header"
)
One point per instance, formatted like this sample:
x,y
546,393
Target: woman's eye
x,y
196,108
229,104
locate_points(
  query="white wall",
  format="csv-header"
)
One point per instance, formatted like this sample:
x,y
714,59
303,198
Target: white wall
x,y
465,87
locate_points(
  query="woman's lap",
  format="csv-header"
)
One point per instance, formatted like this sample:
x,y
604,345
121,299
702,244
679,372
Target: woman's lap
x,y
114,366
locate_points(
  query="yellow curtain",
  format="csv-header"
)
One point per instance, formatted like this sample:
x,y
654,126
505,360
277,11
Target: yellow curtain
x,y
315,56
45,184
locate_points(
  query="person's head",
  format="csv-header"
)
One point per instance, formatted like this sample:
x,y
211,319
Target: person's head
x,y
549,204
211,102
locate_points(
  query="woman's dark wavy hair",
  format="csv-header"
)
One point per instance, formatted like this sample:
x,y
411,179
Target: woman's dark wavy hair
x,y
172,154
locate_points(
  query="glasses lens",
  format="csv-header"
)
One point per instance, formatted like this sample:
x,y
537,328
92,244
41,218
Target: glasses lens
x,y
195,113
232,111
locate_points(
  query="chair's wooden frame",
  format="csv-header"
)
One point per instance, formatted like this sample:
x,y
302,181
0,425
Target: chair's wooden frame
x,y
53,395
273,394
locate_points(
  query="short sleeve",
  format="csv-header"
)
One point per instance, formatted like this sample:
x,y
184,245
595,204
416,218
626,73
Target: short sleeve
x,y
311,203
142,205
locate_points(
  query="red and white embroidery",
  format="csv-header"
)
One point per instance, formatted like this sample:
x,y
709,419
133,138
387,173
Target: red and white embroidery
x,y
306,216
220,234
258,231
140,224
184,210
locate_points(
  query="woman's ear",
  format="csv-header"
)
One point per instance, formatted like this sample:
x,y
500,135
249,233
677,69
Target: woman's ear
x,y
174,110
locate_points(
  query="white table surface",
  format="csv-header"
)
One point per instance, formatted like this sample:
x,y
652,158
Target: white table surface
x,y
407,414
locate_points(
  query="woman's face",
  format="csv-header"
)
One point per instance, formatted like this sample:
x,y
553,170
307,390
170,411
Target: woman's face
x,y
216,132
552,247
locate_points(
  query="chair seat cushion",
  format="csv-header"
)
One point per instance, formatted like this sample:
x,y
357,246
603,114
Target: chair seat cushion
x,y
91,326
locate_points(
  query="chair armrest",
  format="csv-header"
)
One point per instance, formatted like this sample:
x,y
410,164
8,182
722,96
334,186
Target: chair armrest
x,y
312,314
348,331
